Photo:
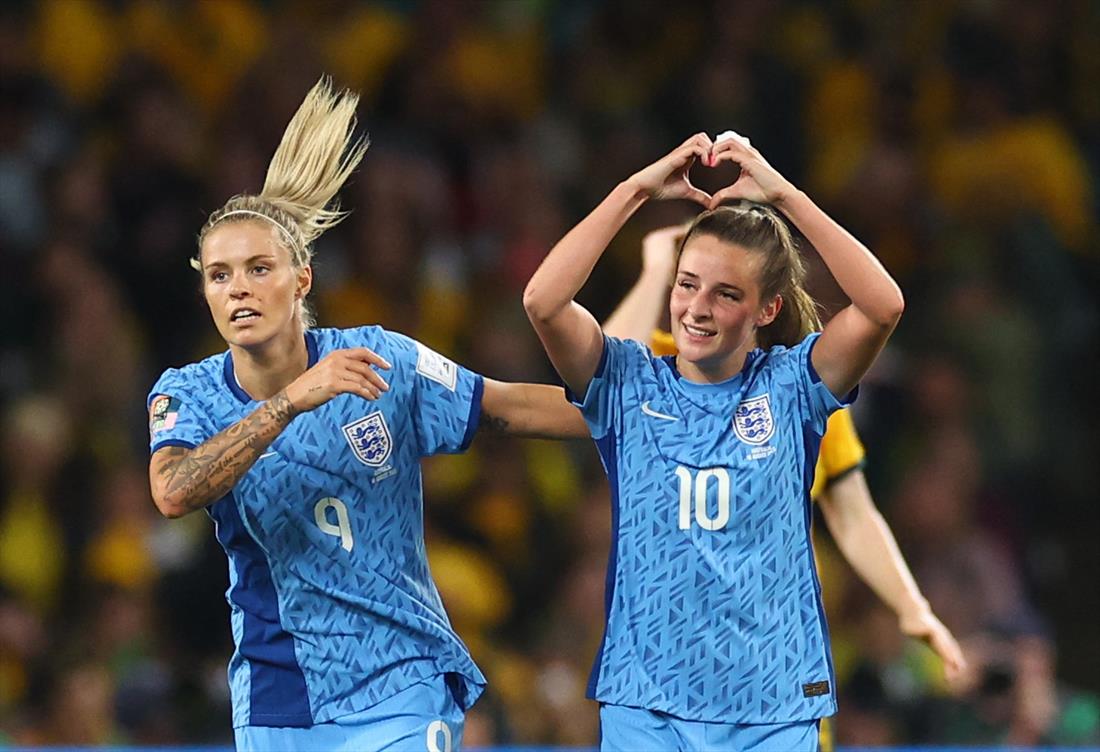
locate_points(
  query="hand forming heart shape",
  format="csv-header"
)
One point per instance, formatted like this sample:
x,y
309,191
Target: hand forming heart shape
x,y
758,181
668,177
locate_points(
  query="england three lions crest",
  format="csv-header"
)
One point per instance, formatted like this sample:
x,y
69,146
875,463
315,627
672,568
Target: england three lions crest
x,y
370,439
752,420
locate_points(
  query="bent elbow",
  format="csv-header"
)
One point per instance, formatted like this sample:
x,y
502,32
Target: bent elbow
x,y
899,307
536,308
169,511
168,507
890,314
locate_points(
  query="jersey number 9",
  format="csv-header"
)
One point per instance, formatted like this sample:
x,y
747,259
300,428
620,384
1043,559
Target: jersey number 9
x,y
695,490
342,528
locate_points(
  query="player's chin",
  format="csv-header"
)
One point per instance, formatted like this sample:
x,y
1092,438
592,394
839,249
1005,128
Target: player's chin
x,y
245,336
694,349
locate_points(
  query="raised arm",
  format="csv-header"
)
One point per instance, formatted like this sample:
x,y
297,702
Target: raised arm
x,y
570,334
183,480
866,541
639,313
853,338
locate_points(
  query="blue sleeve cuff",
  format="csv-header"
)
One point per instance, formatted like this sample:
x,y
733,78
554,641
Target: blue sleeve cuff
x,y
171,442
474,419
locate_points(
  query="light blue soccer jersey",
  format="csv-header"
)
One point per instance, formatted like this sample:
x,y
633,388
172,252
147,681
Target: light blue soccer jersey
x,y
713,604
333,608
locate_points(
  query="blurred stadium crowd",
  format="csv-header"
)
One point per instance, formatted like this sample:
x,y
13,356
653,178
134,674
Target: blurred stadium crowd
x,y
960,140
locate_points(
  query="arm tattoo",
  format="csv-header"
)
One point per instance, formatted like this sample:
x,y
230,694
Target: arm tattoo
x,y
193,478
494,423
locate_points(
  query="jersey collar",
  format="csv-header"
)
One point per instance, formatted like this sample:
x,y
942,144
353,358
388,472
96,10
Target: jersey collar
x,y
231,377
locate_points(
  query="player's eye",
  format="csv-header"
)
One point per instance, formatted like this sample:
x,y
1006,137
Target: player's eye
x,y
260,269
218,276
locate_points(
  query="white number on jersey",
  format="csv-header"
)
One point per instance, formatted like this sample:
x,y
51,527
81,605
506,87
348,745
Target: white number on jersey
x,y
439,731
342,528
697,491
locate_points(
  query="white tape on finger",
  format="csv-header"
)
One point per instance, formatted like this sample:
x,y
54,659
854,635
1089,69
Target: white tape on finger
x,y
726,135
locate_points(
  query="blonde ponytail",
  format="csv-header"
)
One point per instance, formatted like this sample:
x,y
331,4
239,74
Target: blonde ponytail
x,y
315,157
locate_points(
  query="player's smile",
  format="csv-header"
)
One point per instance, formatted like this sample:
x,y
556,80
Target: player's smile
x,y
697,333
714,306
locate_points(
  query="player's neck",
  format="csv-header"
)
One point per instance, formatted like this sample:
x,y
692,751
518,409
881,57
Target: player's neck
x,y
263,371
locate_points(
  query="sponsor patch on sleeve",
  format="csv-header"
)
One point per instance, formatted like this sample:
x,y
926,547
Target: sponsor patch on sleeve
x,y
163,413
434,366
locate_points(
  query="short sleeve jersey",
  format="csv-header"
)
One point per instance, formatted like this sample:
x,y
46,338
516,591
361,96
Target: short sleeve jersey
x,y
713,604
841,450
332,606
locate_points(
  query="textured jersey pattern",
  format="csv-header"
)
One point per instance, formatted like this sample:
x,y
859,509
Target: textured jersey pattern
x,y
714,614
841,450
333,608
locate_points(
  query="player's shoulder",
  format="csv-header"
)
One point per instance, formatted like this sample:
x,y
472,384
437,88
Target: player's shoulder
x,y
629,352
785,357
331,338
407,355
400,350
205,377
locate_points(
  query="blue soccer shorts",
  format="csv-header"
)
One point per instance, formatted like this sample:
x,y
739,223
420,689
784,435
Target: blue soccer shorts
x,y
625,729
422,718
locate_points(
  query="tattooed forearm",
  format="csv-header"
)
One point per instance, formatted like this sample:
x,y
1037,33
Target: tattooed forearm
x,y
189,479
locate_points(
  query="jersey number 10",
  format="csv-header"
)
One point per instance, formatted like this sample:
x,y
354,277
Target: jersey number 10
x,y
695,490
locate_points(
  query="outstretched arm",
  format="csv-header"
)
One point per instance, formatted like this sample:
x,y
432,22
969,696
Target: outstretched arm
x,y
639,313
570,334
183,480
852,339
868,544
533,411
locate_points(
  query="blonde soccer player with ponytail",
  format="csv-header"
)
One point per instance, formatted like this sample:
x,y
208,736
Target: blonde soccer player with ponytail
x,y
716,637
307,458
839,486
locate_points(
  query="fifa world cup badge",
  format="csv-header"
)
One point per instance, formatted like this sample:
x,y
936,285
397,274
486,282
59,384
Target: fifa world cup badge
x,y
163,413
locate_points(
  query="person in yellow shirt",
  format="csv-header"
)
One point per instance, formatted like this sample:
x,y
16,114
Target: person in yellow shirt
x,y
839,486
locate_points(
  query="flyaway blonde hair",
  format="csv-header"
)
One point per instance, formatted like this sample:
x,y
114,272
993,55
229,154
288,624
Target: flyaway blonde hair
x,y
317,154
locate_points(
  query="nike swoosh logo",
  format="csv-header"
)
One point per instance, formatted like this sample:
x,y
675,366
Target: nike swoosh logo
x,y
653,413
266,454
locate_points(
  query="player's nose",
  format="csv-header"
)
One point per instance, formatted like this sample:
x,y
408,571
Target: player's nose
x,y
238,287
698,308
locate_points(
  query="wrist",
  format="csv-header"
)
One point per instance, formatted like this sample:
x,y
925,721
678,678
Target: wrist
x,y
282,405
914,608
788,198
632,190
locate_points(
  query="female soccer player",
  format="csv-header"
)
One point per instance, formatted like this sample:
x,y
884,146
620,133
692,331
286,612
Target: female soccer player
x,y
839,486
715,635
308,462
